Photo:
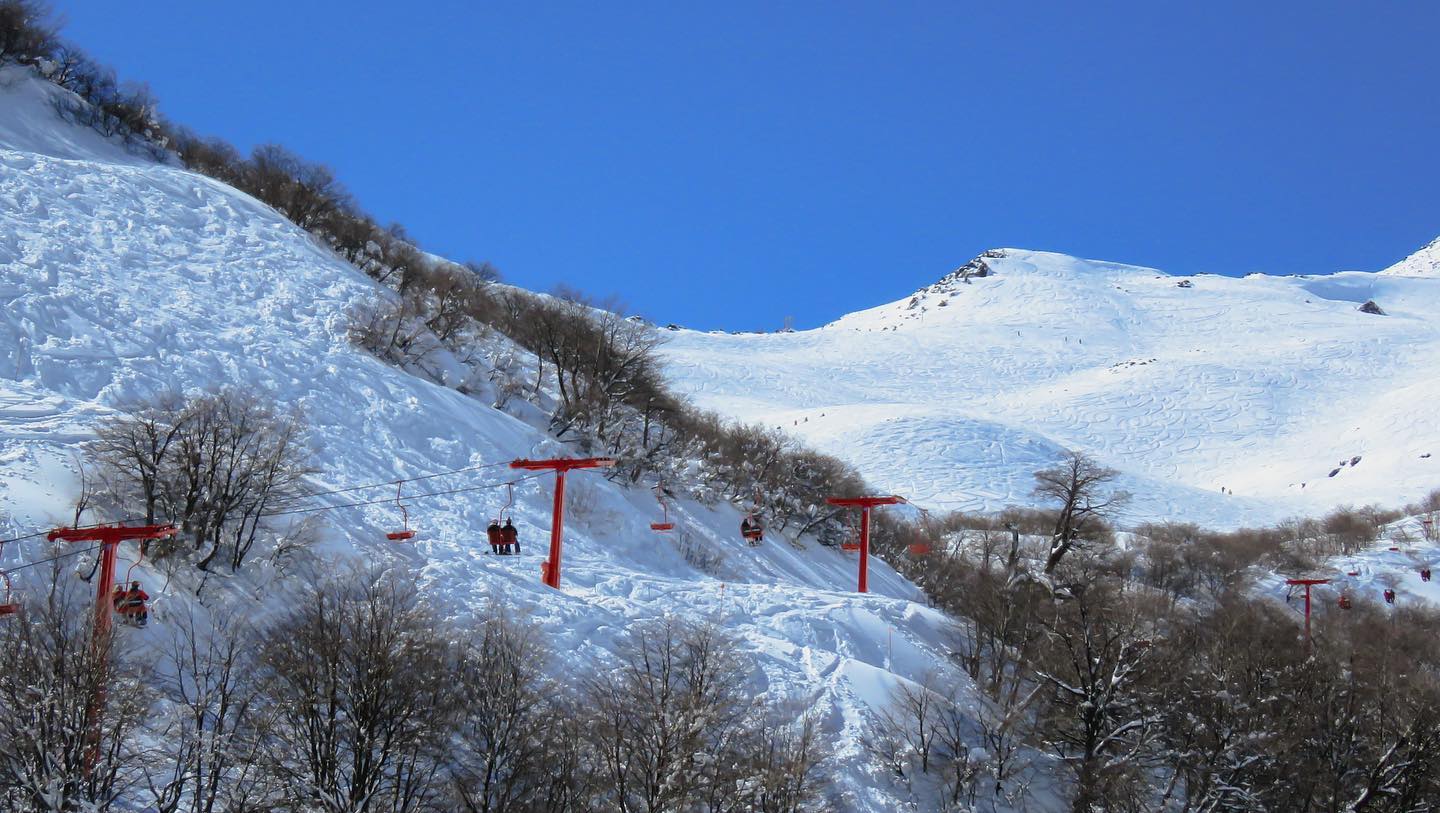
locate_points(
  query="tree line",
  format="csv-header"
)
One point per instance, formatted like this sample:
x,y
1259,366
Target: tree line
x,y
1153,675
355,698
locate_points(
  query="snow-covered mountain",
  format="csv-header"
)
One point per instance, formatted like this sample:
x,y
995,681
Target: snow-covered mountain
x,y
1279,390
120,276
1423,263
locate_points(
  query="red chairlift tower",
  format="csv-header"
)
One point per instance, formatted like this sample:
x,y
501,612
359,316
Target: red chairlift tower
x,y
109,537
550,568
864,504
1307,584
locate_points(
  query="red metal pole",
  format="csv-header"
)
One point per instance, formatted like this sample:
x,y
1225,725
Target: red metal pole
x,y
106,585
1307,615
552,567
865,549
104,607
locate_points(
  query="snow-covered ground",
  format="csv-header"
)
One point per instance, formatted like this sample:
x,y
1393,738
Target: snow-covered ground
x,y
1423,263
120,277
1276,389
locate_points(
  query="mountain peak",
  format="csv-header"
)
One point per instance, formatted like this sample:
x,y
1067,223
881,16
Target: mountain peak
x,y
1423,263
977,267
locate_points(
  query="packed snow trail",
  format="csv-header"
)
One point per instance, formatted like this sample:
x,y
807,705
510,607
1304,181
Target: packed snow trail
x,y
1265,387
121,277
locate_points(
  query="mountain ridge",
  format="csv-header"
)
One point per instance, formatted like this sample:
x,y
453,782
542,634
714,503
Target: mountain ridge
x,y
1142,369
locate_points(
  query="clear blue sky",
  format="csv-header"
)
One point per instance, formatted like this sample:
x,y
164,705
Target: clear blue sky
x,y
729,164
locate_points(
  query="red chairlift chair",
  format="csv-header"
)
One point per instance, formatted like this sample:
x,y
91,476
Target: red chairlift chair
x,y
405,532
8,605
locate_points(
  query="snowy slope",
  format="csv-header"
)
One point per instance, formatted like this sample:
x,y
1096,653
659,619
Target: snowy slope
x,y
1423,263
119,276
1261,385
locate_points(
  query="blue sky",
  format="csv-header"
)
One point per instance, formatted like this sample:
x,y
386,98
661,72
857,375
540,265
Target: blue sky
x,y
731,164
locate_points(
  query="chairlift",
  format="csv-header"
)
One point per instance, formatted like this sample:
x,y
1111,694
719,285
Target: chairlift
x,y
1389,595
751,528
1344,602
665,524
405,532
852,538
120,597
503,514
8,605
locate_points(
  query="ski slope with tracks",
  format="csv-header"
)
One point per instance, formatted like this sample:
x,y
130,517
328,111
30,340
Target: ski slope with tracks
x,y
1278,390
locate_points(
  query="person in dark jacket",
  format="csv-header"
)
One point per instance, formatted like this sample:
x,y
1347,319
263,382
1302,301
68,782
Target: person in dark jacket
x,y
752,530
510,537
493,534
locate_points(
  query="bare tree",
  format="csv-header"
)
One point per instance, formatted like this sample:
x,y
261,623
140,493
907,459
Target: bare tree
x,y
1080,485
1093,666
505,724
787,758
26,32
69,709
212,744
358,682
133,447
665,722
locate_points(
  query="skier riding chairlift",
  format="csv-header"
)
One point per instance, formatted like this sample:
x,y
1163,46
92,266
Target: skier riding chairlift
x,y
752,530
132,604
509,538
493,535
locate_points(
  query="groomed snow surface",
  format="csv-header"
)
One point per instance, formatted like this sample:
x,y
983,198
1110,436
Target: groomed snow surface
x,y
120,277
1278,390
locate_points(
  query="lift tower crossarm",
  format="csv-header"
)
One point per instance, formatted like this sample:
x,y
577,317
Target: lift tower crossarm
x,y
550,569
1307,584
864,504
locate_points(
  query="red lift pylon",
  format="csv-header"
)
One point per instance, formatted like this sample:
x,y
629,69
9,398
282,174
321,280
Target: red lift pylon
x,y
109,537
1307,584
550,569
864,504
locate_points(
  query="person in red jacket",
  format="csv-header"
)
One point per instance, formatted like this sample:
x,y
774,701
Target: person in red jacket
x,y
509,538
135,608
493,534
